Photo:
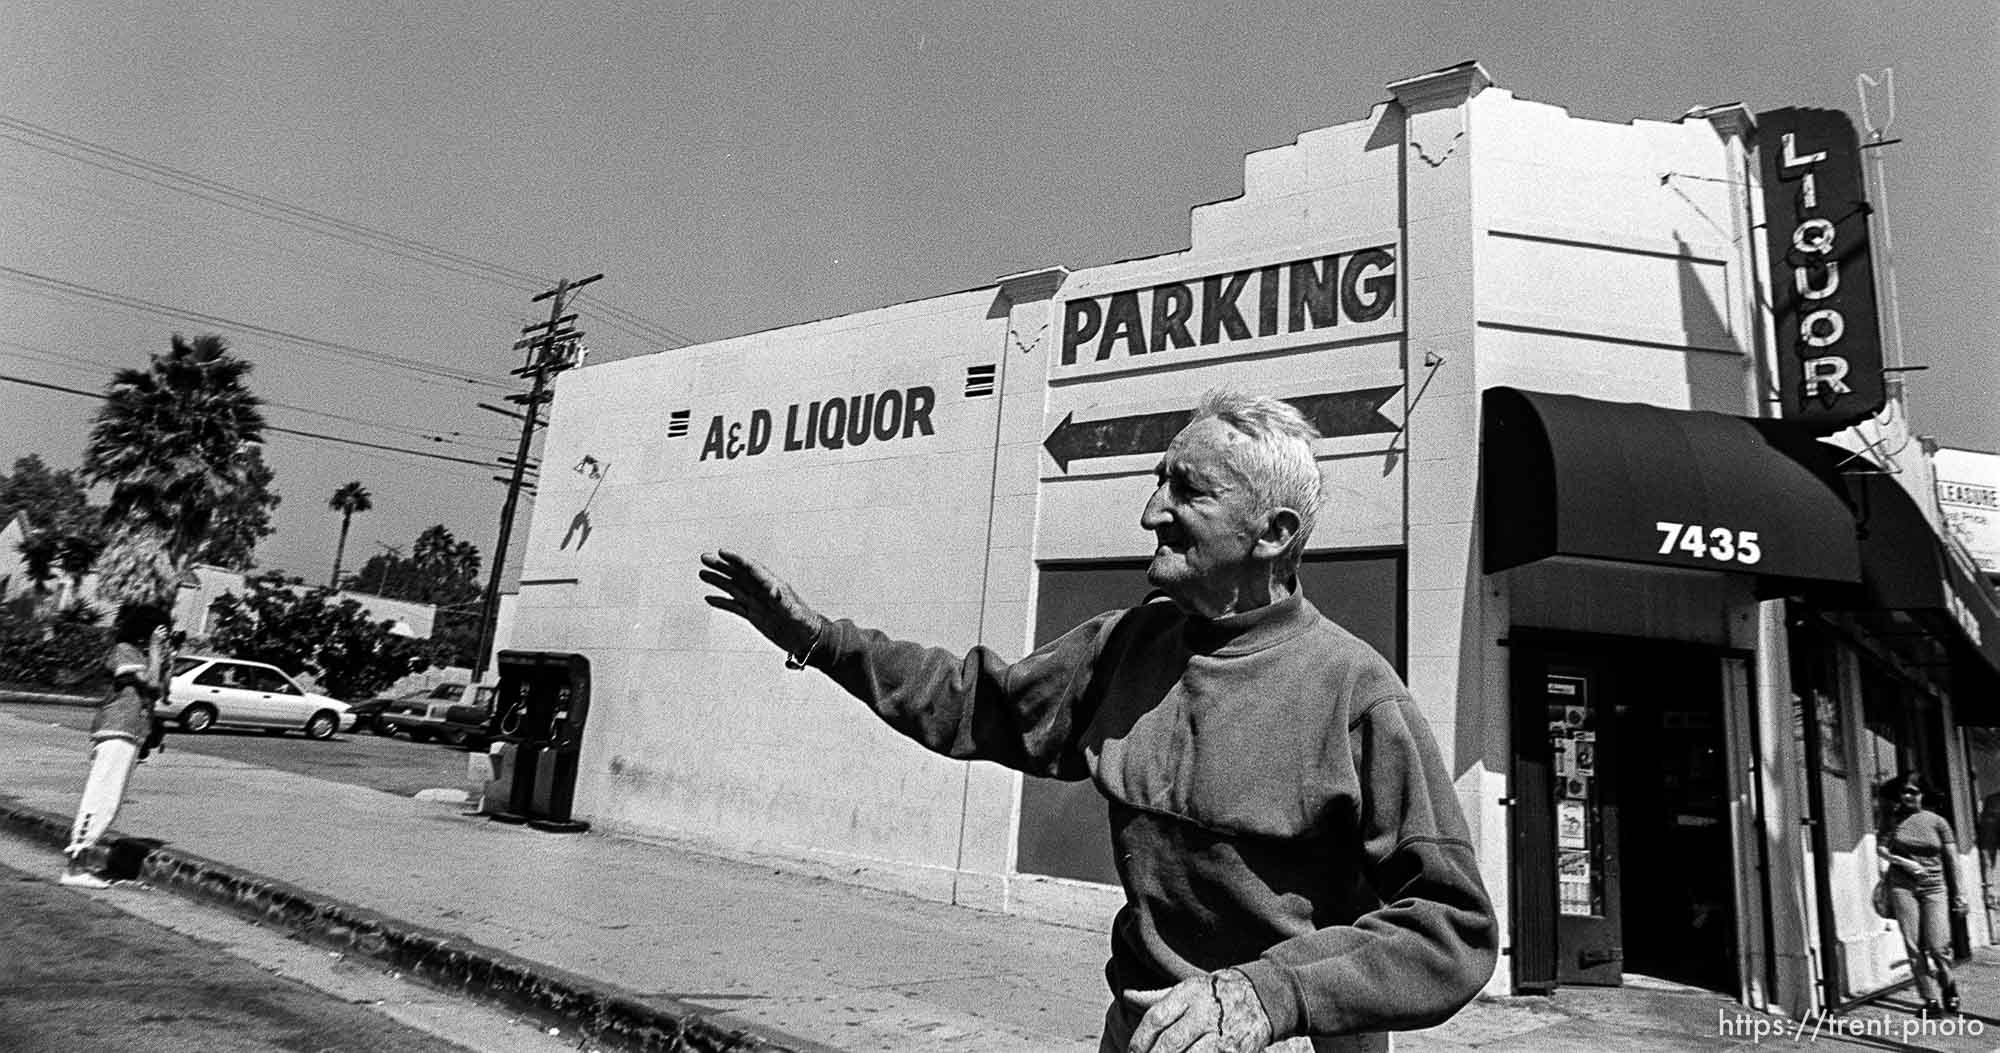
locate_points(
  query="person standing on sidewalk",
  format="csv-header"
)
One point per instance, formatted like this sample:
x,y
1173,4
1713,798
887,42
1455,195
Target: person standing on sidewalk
x,y
123,727
1296,866
1920,852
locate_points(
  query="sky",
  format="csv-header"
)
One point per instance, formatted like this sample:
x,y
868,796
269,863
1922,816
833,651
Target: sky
x,y
363,197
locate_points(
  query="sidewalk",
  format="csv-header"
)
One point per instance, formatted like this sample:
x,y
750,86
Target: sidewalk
x,y
660,947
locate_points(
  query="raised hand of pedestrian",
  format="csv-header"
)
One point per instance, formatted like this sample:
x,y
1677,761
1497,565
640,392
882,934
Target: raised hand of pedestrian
x,y
761,598
1215,1013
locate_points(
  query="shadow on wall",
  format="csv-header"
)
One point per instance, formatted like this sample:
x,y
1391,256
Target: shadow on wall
x,y
580,524
1480,736
579,530
1718,373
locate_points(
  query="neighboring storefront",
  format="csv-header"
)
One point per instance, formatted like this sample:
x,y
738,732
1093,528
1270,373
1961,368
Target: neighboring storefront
x,y
1968,496
1968,492
1532,342
1900,675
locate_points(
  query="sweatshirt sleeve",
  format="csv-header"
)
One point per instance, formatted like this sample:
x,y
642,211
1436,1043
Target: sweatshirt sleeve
x,y
1432,944
1025,715
128,670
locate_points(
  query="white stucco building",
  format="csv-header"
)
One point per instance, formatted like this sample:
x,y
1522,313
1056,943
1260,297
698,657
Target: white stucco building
x,y
1534,341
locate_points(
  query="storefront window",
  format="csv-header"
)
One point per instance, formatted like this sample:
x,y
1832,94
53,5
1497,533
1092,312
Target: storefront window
x,y
1982,757
1864,718
1882,726
1905,733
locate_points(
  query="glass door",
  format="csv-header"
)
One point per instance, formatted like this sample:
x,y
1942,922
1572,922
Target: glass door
x,y
1567,892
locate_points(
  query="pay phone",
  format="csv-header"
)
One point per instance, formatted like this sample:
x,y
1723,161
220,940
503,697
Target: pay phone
x,y
538,720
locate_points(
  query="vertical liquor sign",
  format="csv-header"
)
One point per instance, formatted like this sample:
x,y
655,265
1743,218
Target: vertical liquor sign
x,y
1822,280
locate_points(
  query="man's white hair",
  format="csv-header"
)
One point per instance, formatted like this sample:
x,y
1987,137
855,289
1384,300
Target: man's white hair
x,y
1278,462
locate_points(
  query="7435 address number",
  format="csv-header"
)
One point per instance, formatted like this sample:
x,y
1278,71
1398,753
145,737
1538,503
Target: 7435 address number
x,y
1717,543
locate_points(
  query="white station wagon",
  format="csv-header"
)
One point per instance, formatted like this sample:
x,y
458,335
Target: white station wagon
x,y
208,691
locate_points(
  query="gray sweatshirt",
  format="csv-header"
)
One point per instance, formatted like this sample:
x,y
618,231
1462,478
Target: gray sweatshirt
x,y
1277,802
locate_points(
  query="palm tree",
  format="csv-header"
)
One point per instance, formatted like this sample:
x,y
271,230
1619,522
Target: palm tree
x,y
347,500
76,554
39,552
168,440
137,566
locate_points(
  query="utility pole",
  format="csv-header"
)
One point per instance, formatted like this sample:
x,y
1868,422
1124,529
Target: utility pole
x,y
551,349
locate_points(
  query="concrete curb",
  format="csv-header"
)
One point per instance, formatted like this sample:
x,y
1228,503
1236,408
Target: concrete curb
x,y
607,1016
53,698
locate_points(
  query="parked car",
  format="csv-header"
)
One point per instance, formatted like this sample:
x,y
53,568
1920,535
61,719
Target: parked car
x,y
419,718
366,711
470,723
368,715
207,691
423,716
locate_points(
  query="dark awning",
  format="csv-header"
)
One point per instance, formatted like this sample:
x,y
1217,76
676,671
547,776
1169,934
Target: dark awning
x,y
1631,483
1906,566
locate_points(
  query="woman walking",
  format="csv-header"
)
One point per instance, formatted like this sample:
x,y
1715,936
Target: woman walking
x,y
1920,852
121,729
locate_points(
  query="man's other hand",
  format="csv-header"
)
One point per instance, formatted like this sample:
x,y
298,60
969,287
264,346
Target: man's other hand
x,y
1218,1013
762,599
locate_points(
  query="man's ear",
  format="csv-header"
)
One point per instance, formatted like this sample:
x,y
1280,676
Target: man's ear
x,y
1281,527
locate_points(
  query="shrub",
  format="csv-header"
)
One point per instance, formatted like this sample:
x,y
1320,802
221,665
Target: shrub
x,y
54,653
302,629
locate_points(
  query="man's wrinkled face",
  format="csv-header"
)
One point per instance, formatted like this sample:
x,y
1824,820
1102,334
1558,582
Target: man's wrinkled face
x,y
1202,515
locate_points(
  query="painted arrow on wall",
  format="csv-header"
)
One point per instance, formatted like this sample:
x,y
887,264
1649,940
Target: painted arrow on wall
x,y
1334,413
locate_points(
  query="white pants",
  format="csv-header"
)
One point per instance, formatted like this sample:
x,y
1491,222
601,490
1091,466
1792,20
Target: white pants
x,y
111,763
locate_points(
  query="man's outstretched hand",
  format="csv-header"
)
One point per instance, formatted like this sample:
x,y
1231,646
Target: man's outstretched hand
x,y
1214,1013
761,598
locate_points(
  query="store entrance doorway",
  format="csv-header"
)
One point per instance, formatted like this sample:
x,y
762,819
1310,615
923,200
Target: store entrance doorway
x,y
1622,840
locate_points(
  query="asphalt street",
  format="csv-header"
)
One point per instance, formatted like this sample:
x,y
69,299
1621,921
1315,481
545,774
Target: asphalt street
x,y
134,969
391,765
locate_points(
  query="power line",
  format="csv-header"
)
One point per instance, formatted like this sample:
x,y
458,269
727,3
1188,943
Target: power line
x,y
85,152
62,360
627,322
81,291
35,184
168,177
44,358
635,325
51,387
270,427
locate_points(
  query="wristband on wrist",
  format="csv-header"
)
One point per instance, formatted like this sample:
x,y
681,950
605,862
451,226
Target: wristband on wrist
x,y
798,661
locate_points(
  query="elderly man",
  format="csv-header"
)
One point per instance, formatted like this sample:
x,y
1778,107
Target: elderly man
x,y
1295,864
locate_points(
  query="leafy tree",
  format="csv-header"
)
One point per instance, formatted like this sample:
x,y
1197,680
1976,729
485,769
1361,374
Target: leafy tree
x,y
442,571
38,559
304,629
445,557
169,440
77,552
244,517
349,499
50,498
64,531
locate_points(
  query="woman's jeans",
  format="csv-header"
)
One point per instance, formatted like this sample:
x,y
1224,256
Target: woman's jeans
x,y
1924,915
